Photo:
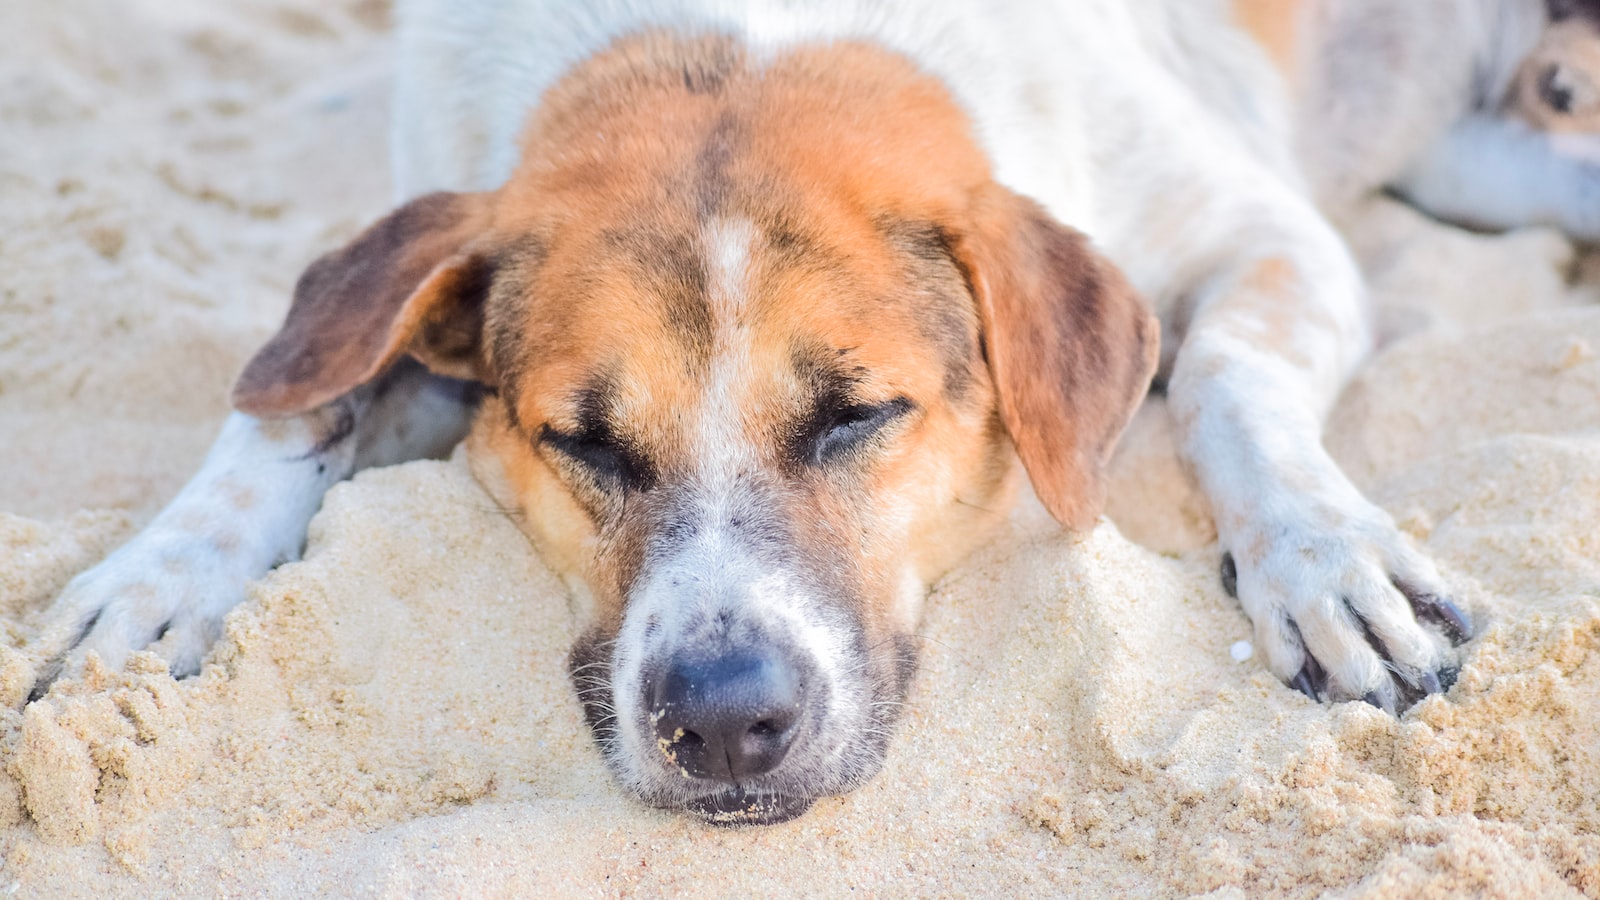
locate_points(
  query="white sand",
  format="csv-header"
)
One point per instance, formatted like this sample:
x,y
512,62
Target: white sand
x,y
391,716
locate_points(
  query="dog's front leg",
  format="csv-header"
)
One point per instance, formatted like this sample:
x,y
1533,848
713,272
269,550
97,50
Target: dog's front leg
x,y
1333,589
244,512
1499,173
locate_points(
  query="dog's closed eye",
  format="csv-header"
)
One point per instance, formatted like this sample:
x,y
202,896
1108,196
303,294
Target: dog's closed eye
x,y
838,431
609,461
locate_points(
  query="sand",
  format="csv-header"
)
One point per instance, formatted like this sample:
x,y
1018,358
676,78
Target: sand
x,y
390,716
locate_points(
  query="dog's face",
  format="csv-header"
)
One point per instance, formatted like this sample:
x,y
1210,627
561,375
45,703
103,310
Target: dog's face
x,y
753,488
761,340
1557,87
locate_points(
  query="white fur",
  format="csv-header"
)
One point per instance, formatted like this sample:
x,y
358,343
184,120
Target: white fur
x,y
724,448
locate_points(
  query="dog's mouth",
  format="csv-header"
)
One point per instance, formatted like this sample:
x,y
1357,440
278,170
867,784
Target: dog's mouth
x,y
736,807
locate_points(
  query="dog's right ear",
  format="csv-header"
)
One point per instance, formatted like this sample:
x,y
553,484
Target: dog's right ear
x,y
414,283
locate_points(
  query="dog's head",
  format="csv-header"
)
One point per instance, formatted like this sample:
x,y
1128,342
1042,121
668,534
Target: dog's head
x,y
1557,88
759,341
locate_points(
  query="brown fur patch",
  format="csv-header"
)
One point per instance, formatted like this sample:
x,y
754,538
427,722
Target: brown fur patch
x,y
1275,25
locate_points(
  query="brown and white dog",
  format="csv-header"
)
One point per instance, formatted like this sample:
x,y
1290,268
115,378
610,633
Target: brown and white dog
x,y
763,302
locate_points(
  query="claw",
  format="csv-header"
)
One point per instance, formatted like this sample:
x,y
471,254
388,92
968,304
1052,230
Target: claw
x,y
40,688
1455,622
1230,576
1442,612
1429,683
1302,683
1382,700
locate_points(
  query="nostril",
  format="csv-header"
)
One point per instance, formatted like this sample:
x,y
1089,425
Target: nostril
x,y
762,746
688,739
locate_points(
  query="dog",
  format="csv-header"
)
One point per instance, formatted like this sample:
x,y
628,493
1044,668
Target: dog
x,y
1557,87
763,309
1479,112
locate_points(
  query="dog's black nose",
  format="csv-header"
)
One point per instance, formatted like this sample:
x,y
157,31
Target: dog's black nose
x,y
727,718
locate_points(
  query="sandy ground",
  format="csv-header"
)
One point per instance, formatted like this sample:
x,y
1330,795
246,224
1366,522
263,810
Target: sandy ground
x,y
391,717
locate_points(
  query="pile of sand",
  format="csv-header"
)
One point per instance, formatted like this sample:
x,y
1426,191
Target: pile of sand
x,y
392,716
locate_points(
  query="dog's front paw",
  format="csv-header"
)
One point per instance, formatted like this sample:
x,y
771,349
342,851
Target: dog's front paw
x,y
1346,610
164,585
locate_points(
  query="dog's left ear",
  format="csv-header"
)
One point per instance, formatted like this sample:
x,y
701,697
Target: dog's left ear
x,y
1071,347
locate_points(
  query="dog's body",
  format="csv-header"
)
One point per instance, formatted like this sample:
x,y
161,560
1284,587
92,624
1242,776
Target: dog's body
x,y
763,294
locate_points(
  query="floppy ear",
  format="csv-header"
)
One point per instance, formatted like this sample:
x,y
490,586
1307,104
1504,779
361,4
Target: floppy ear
x,y
413,283
1071,347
